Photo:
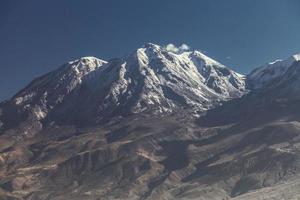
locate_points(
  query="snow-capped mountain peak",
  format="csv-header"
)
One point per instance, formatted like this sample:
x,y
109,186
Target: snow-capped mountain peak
x,y
86,64
270,72
151,79
296,57
60,82
207,60
151,46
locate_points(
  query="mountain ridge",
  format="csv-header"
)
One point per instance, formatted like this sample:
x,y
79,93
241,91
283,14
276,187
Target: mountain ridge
x,y
150,78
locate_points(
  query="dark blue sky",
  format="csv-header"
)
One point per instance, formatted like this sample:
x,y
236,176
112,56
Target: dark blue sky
x,y
38,36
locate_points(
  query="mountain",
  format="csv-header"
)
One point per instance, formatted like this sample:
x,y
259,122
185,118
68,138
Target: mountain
x,y
153,125
265,132
151,79
274,91
268,74
284,82
44,94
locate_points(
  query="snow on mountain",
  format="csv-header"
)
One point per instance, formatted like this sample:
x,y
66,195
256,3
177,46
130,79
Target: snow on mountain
x,y
218,77
287,87
59,83
151,79
45,93
267,74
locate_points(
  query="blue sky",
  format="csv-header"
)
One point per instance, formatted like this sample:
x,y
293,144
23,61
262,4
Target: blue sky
x,y
38,36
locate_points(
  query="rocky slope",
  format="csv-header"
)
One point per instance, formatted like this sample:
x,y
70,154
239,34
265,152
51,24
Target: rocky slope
x,y
129,129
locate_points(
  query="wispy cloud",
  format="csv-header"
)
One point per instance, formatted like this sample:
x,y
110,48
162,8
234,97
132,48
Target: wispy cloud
x,y
182,48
